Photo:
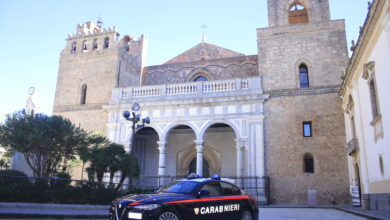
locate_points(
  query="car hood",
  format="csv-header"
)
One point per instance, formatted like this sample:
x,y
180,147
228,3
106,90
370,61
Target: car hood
x,y
157,198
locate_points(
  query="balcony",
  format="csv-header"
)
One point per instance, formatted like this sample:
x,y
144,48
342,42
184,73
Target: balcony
x,y
352,146
191,90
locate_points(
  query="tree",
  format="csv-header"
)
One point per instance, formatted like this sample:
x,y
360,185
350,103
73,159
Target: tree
x,y
110,157
3,163
115,152
85,149
45,141
129,168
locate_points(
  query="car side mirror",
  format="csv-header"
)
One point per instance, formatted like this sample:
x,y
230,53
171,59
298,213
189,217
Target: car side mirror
x,y
203,193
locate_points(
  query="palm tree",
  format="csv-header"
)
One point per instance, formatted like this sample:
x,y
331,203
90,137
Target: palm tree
x,y
115,152
129,168
3,163
93,141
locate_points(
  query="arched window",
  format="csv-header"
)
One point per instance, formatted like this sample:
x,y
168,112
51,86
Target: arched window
x,y
127,47
125,42
106,42
303,76
95,44
297,14
200,78
74,47
83,96
308,163
85,46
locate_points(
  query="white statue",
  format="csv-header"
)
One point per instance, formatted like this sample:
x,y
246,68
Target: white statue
x,y
31,103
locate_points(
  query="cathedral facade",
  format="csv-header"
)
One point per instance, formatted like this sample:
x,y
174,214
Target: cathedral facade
x,y
275,114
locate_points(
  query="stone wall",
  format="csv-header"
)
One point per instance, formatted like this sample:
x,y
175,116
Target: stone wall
x,y
90,119
318,11
286,146
321,47
100,68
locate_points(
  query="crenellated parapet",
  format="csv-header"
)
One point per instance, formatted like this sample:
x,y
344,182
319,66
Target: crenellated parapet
x,y
89,28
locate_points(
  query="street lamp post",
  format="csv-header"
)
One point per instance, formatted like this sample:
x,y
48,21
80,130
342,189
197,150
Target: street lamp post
x,y
135,119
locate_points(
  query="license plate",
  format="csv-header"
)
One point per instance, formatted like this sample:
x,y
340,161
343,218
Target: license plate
x,y
134,215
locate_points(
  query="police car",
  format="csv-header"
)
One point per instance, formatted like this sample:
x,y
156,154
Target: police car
x,y
193,198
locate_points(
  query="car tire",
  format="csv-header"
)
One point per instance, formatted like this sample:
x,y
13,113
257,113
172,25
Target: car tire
x,y
246,215
169,215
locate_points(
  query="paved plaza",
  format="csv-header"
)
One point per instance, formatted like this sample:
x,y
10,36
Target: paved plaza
x,y
306,214
61,211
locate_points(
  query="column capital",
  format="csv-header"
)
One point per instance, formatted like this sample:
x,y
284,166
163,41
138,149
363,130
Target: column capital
x,y
199,143
162,146
240,142
239,148
199,149
162,143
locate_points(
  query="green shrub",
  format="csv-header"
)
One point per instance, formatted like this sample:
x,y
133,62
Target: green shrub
x,y
19,188
14,185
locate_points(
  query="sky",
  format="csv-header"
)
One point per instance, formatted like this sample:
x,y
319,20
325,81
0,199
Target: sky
x,y
33,33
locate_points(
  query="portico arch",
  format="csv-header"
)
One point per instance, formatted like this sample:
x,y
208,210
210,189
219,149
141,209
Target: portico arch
x,y
170,127
222,137
145,150
129,132
211,123
177,138
187,155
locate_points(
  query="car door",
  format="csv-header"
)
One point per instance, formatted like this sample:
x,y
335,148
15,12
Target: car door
x,y
232,201
205,207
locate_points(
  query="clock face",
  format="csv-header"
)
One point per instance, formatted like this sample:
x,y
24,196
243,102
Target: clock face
x,y
136,107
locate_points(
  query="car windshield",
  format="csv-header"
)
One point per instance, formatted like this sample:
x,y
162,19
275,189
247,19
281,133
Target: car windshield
x,y
183,187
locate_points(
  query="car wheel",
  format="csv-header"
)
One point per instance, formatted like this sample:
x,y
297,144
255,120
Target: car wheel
x,y
168,216
246,215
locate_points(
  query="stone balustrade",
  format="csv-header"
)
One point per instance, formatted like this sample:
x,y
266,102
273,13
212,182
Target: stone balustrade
x,y
239,86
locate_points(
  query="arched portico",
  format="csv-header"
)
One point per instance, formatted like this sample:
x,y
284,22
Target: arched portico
x,y
209,124
172,126
187,155
145,150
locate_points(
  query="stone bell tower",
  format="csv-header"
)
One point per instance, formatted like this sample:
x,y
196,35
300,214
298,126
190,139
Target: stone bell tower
x,y
285,12
301,55
95,61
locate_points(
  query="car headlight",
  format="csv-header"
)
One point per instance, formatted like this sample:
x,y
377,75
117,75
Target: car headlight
x,y
147,207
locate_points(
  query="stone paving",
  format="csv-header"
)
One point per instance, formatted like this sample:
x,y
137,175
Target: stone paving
x,y
306,214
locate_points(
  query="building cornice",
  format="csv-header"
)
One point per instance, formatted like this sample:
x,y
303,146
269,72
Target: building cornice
x,y
369,27
300,92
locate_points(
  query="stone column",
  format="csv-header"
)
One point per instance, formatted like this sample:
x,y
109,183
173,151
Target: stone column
x,y
199,157
240,159
161,162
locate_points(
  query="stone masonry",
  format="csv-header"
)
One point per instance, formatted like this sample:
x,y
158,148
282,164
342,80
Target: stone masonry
x,y
98,68
320,44
257,98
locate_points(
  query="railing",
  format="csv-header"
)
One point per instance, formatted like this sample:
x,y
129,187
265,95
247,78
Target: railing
x,y
255,186
60,190
352,146
191,88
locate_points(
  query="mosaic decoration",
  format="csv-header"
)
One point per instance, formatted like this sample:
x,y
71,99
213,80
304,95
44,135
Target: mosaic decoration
x,y
212,72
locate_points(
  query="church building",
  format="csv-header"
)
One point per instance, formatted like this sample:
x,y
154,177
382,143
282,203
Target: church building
x,y
274,116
